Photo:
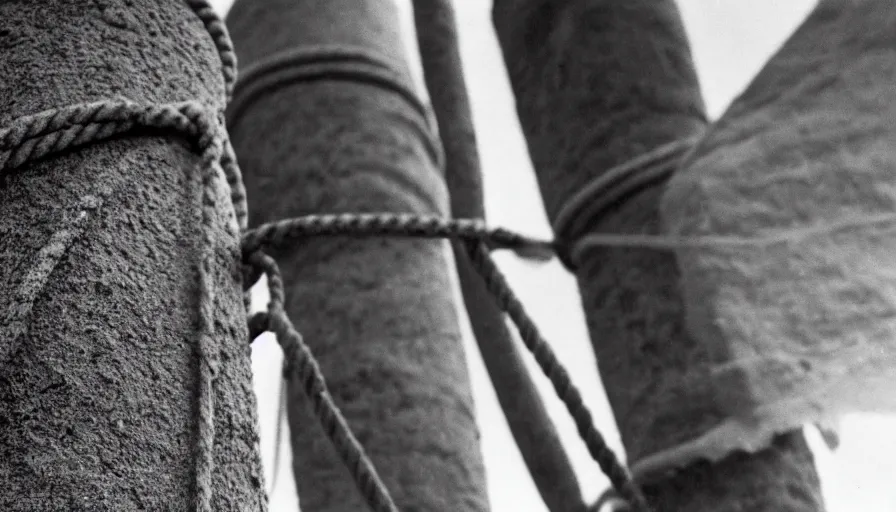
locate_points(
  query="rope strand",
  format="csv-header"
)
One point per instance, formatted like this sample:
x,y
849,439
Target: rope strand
x,y
394,224
480,240
301,364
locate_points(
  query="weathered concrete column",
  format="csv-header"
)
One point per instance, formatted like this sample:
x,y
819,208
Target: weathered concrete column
x,y
325,121
597,84
99,249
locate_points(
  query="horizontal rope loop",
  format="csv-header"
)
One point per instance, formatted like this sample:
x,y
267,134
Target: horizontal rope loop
x,y
394,224
40,135
32,137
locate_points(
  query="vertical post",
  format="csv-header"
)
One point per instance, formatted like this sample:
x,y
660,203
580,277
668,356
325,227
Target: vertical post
x,y
529,423
99,249
325,121
599,83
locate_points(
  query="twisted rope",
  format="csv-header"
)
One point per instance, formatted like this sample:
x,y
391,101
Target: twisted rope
x,y
301,364
394,224
560,380
479,240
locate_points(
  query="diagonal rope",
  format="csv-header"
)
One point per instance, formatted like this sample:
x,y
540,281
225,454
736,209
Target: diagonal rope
x,y
556,373
301,365
479,240
531,427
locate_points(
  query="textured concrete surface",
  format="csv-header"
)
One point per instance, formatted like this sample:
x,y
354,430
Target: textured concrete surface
x,y
99,399
377,312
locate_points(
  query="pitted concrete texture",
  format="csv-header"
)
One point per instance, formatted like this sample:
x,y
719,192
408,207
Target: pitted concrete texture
x,y
99,399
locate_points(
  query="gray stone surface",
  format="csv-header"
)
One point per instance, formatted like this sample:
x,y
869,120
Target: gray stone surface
x,y
532,429
99,400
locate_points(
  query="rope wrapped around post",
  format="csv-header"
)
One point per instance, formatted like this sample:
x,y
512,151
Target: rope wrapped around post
x,y
479,241
38,136
46,133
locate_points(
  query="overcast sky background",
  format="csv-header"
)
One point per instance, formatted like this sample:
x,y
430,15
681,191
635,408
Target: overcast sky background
x,y
731,40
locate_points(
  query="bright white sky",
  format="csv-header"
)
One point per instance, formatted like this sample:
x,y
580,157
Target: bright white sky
x,y
731,40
